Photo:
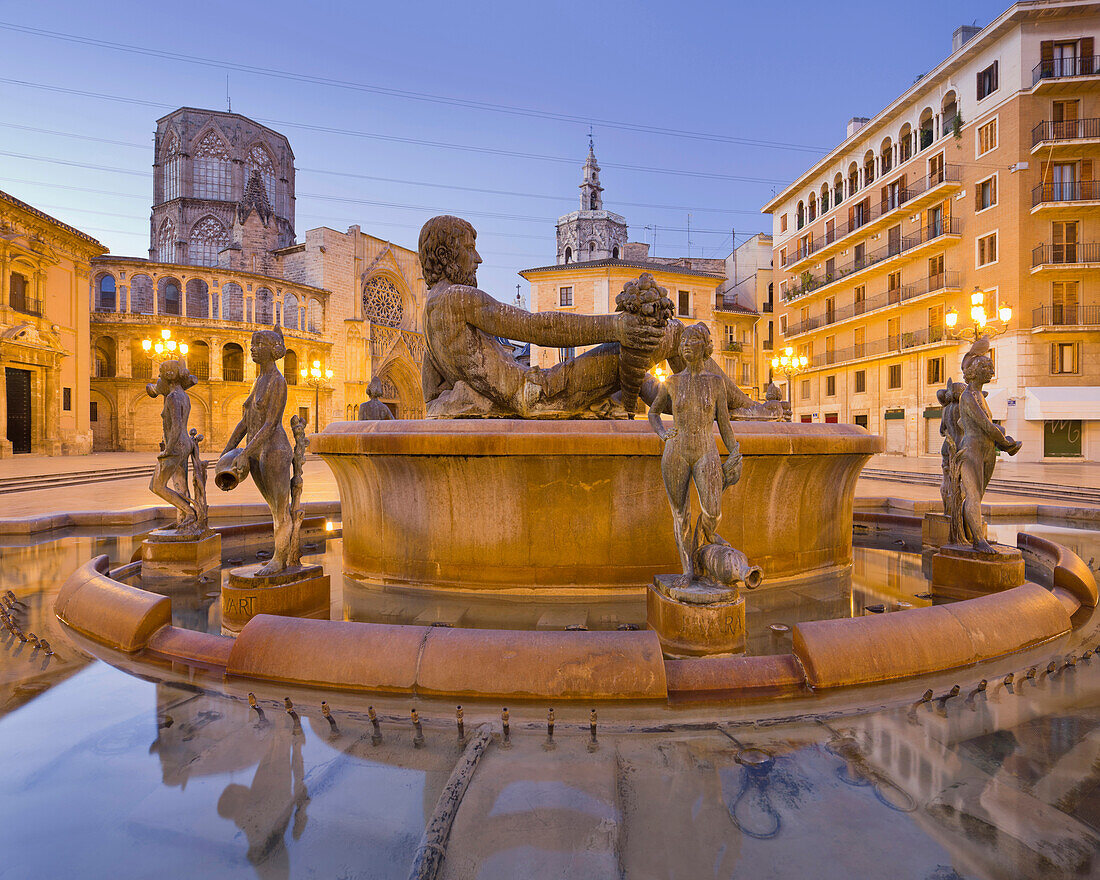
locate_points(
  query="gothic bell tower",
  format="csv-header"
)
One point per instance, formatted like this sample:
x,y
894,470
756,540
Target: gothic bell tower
x,y
591,233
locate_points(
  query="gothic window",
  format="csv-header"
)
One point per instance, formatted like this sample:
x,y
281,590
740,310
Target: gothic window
x,y
211,169
592,203
569,255
591,247
315,317
382,302
106,300
259,160
290,366
615,252
141,295
290,311
166,241
168,296
172,165
208,236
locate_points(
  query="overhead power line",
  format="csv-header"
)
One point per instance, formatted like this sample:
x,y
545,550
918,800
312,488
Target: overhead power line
x,y
221,64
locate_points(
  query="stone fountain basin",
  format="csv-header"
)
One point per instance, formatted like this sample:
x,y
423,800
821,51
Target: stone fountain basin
x,y
517,505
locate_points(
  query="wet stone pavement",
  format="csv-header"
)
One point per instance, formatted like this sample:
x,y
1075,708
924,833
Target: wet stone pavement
x,y
138,771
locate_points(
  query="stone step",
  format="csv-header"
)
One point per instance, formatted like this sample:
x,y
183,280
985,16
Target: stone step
x,y
1051,491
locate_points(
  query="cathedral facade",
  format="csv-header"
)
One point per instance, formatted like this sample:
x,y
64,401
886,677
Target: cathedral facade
x,y
223,263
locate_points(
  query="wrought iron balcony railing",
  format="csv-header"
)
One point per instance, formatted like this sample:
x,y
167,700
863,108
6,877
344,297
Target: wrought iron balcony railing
x,y
884,346
1071,252
1059,68
1065,316
1073,129
1077,191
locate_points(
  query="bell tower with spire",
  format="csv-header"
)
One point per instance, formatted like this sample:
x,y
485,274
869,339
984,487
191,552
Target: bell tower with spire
x,y
591,233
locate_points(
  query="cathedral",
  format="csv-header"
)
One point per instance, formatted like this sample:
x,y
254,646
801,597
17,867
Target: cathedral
x,y
224,262
591,233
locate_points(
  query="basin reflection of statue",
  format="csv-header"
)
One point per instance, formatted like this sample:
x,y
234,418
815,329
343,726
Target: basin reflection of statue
x,y
467,372
267,455
374,409
179,451
697,399
971,443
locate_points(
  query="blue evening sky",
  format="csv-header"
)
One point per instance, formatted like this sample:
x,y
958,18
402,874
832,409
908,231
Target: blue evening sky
x,y
675,87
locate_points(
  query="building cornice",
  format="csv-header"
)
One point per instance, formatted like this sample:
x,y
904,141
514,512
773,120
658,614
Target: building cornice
x,y
622,264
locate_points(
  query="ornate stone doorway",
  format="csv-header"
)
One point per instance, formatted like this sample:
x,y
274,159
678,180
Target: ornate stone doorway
x,y
18,388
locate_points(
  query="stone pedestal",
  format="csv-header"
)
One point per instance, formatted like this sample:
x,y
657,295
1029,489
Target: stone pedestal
x,y
302,591
960,572
167,555
936,530
688,629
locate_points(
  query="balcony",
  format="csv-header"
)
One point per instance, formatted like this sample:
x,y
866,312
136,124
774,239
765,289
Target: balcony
x,y
908,245
232,374
1079,193
932,284
917,195
1072,255
732,347
1047,75
1072,133
1065,316
23,302
884,347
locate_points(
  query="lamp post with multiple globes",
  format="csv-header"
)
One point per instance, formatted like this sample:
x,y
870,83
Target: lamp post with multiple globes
x,y
316,376
790,365
981,324
165,347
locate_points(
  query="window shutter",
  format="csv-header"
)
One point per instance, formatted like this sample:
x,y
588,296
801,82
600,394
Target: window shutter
x,y
1086,55
977,197
993,190
994,84
901,184
978,87
851,218
1086,170
1046,53
885,198
1054,357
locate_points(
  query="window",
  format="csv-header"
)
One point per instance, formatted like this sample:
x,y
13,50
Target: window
x,y
105,293
684,310
172,164
93,411
935,323
1063,302
567,354
987,81
1063,357
783,258
893,333
615,252
830,310
935,227
860,347
987,137
303,414
1063,240
985,194
166,242
935,271
935,371
171,298
67,399
746,374
830,349
987,250
259,160
830,386
1062,438
782,222
861,299
805,389
782,325
935,170
565,296
860,382
569,255
862,421
893,379
893,287
208,237
731,336
211,169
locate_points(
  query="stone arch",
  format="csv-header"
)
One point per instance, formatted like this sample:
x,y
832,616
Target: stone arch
x,y
905,142
208,237
106,292
387,301
615,252
886,154
141,295
291,311
405,376
811,206
105,358
198,358
290,366
949,111
569,255
927,127
591,249
264,308
232,362
198,298
232,302
105,422
169,296
838,188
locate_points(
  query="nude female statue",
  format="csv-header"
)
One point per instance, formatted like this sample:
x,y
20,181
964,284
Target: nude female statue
x,y
981,439
179,448
698,399
267,454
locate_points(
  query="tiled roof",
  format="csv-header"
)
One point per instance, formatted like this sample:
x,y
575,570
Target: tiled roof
x,y
30,209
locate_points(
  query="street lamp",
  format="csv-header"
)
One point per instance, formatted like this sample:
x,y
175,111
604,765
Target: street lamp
x,y
165,347
317,377
660,372
790,364
980,323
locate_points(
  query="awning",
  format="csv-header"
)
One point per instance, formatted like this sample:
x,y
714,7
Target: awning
x,y
1063,402
997,398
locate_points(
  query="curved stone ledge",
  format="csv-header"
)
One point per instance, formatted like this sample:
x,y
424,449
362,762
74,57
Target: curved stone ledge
x,y
109,612
862,650
1067,570
498,504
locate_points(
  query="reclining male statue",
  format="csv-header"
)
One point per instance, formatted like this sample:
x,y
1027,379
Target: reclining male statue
x,y
468,373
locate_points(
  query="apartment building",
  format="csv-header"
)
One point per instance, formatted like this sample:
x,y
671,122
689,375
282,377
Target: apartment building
x,y
745,314
978,180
